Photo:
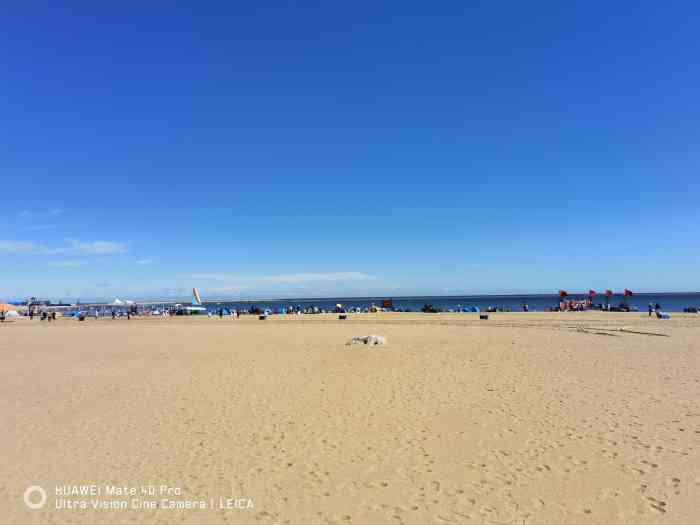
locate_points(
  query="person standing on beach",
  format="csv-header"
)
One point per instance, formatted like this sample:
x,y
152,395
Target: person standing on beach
x,y
651,309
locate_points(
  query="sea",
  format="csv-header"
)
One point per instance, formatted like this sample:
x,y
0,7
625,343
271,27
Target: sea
x,y
670,302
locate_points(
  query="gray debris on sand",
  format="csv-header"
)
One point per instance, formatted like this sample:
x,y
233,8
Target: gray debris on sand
x,y
368,340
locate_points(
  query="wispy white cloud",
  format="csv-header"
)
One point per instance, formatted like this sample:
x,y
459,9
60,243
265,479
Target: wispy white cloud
x,y
66,264
282,285
147,260
298,278
227,290
95,247
19,247
292,278
55,211
72,247
211,276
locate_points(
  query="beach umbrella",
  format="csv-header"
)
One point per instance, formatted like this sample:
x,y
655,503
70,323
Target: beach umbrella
x,y
563,293
628,293
591,295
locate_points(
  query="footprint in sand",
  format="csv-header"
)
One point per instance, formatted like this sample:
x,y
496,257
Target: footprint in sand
x,y
657,505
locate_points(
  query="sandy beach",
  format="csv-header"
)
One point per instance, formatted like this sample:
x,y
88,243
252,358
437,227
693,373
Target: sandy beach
x,y
575,418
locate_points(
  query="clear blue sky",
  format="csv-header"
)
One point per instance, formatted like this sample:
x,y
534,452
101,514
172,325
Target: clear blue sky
x,y
327,148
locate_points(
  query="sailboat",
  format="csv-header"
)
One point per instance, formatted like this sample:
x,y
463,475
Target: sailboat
x,y
196,308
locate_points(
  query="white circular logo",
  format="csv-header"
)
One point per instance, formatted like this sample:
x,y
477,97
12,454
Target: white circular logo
x,y
34,489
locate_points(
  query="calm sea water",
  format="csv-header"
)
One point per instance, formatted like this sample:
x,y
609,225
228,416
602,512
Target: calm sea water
x,y
670,302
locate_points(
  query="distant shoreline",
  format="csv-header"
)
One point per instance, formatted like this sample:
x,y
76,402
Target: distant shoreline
x,y
535,300
405,297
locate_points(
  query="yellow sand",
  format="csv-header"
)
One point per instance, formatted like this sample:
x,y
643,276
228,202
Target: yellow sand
x,y
580,418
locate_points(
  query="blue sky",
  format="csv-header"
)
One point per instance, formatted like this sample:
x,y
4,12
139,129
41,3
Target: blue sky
x,y
295,149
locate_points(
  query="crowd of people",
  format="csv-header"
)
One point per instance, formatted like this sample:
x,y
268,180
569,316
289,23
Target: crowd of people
x,y
654,309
